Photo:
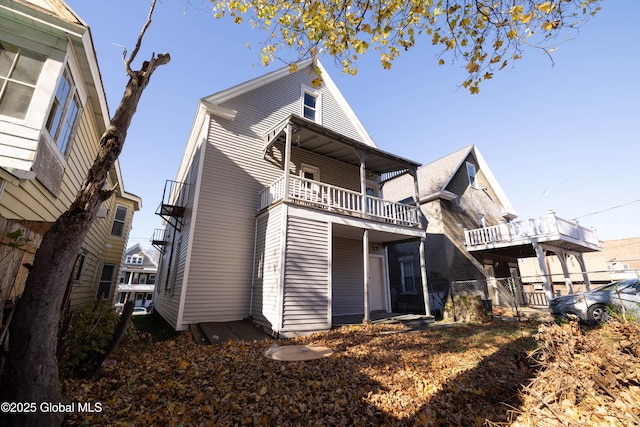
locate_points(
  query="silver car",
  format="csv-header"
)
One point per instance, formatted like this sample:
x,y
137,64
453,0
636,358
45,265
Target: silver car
x,y
592,306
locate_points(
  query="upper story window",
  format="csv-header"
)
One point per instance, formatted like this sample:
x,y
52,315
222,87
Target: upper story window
x,y
134,259
119,221
482,221
311,104
19,72
471,172
64,112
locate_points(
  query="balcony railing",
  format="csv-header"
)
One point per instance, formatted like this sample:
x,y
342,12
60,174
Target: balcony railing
x,y
328,197
525,230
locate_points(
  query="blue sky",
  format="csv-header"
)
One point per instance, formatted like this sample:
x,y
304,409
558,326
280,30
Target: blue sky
x,y
564,137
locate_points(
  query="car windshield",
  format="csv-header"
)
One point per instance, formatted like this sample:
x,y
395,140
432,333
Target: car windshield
x,y
612,286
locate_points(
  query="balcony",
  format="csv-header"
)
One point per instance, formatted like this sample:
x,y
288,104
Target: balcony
x,y
548,229
174,200
318,195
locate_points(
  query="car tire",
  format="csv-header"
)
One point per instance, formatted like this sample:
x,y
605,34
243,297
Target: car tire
x,y
598,313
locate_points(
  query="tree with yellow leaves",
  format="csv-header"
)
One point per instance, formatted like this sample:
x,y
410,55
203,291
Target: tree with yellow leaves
x,y
487,35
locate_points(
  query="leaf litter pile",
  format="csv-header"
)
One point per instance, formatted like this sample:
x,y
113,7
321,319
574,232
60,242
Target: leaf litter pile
x,y
489,374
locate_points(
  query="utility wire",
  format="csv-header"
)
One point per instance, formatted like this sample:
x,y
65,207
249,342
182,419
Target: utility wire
x,y
609,209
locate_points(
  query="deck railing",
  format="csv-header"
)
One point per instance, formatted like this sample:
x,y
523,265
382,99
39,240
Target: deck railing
x,y
526,229
328,197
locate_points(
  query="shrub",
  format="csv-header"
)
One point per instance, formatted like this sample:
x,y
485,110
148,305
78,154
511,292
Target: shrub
x,y
88,335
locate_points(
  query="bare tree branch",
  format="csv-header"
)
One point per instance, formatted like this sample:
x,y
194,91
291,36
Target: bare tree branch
x,y
139,42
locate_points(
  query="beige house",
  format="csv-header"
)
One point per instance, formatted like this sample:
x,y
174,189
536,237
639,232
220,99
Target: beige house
x,y
53,111
277,213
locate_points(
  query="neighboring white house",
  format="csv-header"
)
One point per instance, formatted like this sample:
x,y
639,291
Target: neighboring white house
x,y
137,277
277,213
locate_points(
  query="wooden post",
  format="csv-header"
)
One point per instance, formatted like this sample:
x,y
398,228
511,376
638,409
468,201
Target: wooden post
x,y
287,161
365,255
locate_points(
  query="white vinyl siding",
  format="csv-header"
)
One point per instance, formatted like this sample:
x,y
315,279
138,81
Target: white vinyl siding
x,y
267,268
347,278
221,258
306,284
171,268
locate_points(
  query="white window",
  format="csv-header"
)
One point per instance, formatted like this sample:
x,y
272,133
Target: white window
x,y
310,172
311,104
311,190
408,277
62,118
133,259
471,172
119,221
19,72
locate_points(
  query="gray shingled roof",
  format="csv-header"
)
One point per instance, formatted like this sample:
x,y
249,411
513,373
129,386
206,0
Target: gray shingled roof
x,y
434,177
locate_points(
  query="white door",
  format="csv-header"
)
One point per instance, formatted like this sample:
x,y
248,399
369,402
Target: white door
x,y
377,295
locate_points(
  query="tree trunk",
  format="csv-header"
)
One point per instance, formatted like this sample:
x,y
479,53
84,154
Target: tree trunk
x,y
118,334
31,374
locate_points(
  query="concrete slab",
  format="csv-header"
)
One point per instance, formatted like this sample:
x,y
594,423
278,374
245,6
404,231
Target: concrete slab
x,y
241,330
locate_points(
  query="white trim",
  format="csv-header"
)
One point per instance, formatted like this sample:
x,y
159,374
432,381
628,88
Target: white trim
x,y
232,92
304,167
330,273
277,324
317,94
222,112
472,174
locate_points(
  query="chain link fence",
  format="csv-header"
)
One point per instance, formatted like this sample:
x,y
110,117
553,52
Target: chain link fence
x,y
515,292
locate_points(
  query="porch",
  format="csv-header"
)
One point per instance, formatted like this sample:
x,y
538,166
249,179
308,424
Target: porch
x,y
310,193
538,237
520,235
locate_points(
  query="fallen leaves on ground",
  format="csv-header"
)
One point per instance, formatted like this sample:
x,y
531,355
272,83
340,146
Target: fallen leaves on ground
x,y
378,375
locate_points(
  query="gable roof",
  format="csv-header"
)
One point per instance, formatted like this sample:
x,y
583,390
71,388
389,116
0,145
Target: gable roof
x,y
138,249
434,178
212,102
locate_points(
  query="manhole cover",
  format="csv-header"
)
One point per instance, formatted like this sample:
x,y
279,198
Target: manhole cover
x,y
297,352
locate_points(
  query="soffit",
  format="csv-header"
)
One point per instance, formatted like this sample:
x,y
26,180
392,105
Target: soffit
x,y
317,139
